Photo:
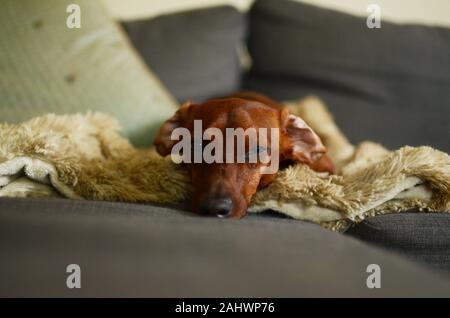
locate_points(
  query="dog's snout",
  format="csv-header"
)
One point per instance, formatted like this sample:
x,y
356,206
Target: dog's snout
x,y
221,207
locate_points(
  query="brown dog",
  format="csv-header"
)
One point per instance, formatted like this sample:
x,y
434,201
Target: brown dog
x,y
226,189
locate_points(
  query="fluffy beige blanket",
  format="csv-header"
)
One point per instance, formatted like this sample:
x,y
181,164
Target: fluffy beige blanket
x,y
84,157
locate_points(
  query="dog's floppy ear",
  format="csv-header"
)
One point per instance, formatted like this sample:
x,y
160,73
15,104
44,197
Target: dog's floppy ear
x,y
163,142
298,141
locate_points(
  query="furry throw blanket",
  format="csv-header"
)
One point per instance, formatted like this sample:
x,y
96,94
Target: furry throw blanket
x,y
84,157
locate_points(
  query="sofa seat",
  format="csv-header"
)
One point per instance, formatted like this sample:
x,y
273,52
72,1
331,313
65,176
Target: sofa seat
x,y
424,237
147,250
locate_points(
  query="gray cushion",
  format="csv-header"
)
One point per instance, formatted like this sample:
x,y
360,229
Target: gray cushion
x,y
390,85
421,236
145,250
195,53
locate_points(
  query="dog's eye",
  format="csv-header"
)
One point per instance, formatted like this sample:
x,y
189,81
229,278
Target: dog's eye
x,y
259,150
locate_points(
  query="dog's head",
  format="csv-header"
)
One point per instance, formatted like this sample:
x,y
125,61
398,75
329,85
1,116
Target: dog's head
x,y
225,187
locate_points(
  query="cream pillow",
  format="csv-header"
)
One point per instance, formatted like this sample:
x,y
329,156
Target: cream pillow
x,y
46,67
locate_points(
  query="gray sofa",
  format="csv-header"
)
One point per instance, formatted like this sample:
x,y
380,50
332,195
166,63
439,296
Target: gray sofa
x,y
376,92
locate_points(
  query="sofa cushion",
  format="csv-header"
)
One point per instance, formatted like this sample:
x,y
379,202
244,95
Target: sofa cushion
x,y
423,237
195,53
45,67
388,85
145,250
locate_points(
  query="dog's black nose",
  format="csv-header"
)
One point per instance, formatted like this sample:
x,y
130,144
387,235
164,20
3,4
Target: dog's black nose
x,y
221,207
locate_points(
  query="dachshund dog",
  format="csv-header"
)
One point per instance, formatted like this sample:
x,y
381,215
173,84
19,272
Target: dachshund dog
x,y
226,189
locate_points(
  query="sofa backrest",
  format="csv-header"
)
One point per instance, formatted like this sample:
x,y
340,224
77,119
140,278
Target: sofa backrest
x,y
195,53
389,85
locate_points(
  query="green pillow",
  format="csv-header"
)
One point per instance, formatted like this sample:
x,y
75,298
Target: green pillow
x,y
46,67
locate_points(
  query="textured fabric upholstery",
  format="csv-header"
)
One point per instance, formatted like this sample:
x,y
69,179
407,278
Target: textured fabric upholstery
x,y
145,250
423,237
195,53
390,85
